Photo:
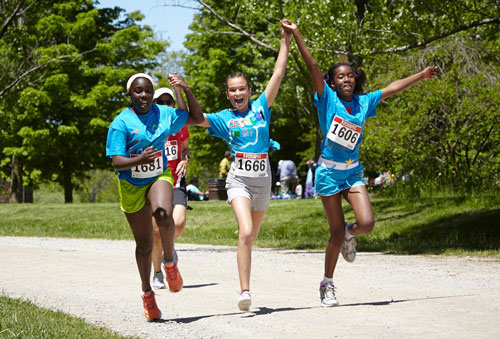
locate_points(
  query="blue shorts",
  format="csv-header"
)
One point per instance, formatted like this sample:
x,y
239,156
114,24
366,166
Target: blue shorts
x,y
329,181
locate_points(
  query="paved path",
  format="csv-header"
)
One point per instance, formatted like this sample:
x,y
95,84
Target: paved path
x,y
381,296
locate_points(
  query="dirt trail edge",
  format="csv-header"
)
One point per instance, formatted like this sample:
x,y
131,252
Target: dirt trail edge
x,y
381,296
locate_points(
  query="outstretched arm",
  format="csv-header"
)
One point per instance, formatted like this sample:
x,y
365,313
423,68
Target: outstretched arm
x,y
402,84
195,114
273,86
312,66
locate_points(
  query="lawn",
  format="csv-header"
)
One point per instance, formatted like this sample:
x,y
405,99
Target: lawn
x,y
438,225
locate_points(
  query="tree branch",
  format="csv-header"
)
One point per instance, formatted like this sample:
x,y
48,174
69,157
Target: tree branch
x,y
460,28
11,18
237,28
38,67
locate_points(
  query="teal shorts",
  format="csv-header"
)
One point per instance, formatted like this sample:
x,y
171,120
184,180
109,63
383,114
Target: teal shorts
x,y
133,198
330,181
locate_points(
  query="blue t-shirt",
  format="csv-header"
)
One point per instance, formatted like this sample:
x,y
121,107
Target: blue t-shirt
x,y
244,132
361,107
131,133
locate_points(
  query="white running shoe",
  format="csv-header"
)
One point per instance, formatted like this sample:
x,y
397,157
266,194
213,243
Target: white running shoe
x,y
348,249
158,282
245,301
327,295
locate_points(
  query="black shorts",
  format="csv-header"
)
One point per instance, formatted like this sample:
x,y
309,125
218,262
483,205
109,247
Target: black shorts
x,y
180,194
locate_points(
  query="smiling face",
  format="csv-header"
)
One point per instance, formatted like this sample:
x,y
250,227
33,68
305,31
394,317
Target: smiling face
x,y
238,93
141,93
344,82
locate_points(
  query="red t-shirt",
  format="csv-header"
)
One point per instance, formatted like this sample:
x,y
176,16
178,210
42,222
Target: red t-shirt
x,y
173,149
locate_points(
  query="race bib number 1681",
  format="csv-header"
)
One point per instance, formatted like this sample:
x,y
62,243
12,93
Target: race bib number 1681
x,y
150,170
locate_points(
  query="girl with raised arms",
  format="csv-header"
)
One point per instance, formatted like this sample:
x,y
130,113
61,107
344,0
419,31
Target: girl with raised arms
x,y
342,110
245,128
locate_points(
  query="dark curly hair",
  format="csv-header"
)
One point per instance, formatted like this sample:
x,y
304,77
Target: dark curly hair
x,y
359,76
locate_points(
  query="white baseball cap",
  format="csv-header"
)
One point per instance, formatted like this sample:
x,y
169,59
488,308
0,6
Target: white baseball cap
x,y
163,90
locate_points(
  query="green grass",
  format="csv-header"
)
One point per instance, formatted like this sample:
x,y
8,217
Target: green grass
x,y
436,225
23,319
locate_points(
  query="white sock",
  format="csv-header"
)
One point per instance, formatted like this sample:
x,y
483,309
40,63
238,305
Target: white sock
x,y
348,235
326,280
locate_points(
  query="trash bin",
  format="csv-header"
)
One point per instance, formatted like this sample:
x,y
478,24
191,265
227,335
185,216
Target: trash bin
x,y
217,189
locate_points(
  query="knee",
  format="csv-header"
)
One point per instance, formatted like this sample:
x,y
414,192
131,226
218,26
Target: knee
x,y
246,237
366,226
179,228
161,216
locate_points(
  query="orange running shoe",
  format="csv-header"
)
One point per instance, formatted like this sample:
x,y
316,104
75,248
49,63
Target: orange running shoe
x,y
151,311
174,278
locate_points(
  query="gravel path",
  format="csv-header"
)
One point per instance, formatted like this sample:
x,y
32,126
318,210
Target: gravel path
x,y
381,296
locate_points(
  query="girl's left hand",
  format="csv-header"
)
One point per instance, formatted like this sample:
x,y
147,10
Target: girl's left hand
x,y
429,72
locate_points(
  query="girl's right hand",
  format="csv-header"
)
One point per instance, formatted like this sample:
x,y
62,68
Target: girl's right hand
x,y
147,156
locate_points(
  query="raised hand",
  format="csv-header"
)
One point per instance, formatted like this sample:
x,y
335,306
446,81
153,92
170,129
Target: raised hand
x,y
177,81
429,72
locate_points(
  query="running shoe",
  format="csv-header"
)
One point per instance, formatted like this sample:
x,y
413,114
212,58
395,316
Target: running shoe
x,y
327,295
151,310
348,249
245,301
158,282
174,278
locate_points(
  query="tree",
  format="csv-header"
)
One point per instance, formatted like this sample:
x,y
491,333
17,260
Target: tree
x,y
363,32
60,115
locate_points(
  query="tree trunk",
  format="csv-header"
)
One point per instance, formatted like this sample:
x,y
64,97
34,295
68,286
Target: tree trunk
x,y
16,181
68,185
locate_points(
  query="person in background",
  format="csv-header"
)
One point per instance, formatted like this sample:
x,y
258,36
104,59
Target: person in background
x,y
309,191
288,177
195,192
225,164
177,151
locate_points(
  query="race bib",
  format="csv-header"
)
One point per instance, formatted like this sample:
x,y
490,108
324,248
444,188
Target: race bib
x,y
251,164
344,133
150,170
171,150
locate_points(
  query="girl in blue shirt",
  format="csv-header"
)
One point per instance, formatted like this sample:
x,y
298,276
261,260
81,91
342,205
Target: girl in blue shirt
x,y
342,111
245,128
136,144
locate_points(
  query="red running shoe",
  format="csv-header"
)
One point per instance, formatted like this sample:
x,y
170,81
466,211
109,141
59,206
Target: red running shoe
x,y
151,310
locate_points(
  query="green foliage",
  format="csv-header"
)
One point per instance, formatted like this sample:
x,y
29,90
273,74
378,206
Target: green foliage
x,y
22,319
447,129
375,34
56,120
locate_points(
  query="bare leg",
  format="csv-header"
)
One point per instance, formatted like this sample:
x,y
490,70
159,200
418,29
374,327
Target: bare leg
x,y
142,229
179,220
157,248
160,199
335,216
249,225
358,198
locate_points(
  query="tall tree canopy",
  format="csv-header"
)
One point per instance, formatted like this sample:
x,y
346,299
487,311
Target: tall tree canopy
x,y
390,40
78,58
